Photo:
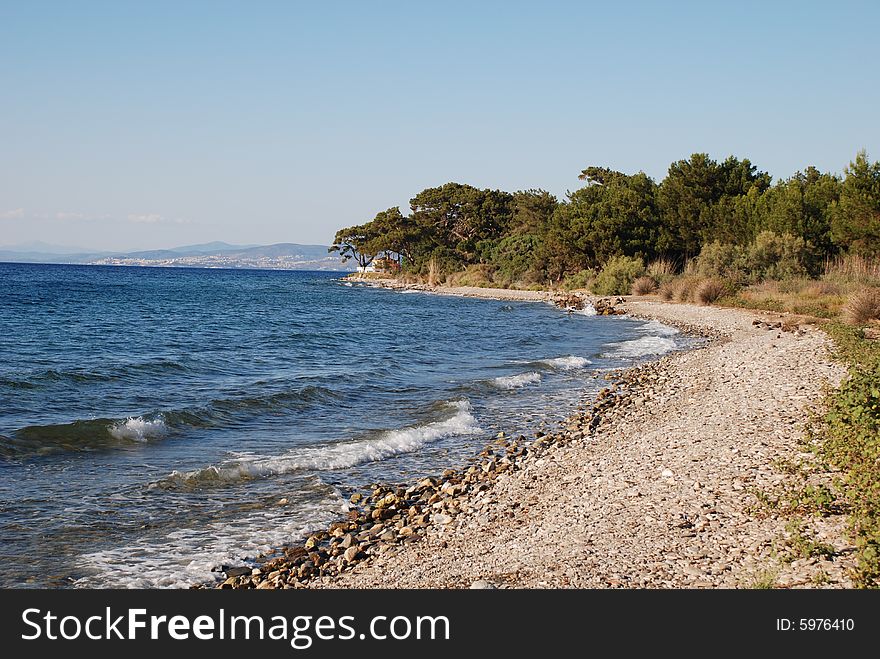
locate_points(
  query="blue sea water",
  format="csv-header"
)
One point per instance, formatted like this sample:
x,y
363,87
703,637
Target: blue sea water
x,y
158,423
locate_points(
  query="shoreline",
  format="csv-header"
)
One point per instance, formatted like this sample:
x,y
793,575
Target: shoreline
x,y
656,483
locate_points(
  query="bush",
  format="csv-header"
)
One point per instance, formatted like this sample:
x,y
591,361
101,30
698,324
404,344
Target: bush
x,y
683,289
583,279
770,256
720,260
774,256
644,286
850,441
618,275
662,270
862,307
666,290
709,290
474,275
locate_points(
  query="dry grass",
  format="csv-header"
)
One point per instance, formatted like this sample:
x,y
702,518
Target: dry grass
x,y
478,276
710,290
816,289
853,268
862,307
644,286
666,290
661,269
683,289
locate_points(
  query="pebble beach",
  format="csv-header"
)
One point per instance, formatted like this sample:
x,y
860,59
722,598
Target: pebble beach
x,y
657,482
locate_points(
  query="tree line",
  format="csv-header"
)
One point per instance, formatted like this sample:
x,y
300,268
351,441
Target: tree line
x,y
533,237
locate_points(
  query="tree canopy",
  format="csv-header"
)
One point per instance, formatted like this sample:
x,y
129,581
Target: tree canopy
x,y
530,235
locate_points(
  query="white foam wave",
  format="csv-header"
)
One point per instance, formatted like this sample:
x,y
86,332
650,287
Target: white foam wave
x,y
568,363
642,347
656,328
588,310
184,556
138,429
516,381
335,456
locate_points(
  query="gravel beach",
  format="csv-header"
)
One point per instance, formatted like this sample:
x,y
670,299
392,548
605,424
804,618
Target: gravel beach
x,y
654,484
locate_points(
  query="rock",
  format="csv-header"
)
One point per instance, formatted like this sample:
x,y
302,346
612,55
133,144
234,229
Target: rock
x,y
441,519
351,554
282,502
237,571
667,473
356,498
481,584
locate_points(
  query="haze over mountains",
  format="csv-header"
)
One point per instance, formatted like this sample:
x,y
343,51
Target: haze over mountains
x,y
279,256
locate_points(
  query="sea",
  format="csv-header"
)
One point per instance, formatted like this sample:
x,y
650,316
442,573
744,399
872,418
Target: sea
x,y
158,425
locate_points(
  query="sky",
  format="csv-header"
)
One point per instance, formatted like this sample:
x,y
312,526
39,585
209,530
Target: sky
x,y
144,125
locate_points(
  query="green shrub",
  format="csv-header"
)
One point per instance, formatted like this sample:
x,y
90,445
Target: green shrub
x,y
774,256
770,256
721,260
850,441
582,279
618,275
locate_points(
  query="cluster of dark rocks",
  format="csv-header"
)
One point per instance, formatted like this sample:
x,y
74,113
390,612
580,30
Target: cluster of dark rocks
x,y
604,306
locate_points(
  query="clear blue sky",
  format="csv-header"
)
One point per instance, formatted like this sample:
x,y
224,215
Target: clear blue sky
x,y
138,125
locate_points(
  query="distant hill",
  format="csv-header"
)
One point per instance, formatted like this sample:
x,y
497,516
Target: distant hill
x,y
280,256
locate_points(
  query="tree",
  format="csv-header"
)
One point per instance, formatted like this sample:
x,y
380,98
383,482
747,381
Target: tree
x,y
855,219
689,197
358,242
459,216
800,206
532,210
617,216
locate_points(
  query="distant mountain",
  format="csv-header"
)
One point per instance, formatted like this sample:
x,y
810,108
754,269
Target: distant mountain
x,y
280,256
208,248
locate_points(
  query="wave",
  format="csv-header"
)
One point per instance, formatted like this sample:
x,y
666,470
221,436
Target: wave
x,y
516,381
330,456
567,363
657,328
588,310
139,429
82,435
193,550
107,433
116,372
642,347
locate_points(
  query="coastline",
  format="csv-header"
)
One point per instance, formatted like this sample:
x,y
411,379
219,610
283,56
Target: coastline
x,y
656,483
